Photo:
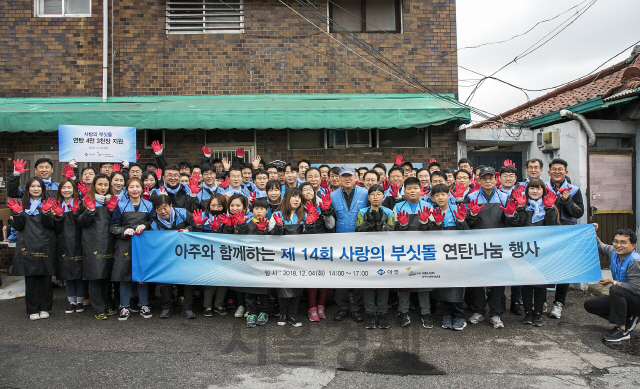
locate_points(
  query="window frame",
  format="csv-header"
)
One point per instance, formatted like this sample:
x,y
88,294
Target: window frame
x,y
146,141
426,140
36,12
374,140
363,16
202,30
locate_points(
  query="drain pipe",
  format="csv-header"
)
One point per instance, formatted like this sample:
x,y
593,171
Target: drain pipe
x,y
591,136
105,47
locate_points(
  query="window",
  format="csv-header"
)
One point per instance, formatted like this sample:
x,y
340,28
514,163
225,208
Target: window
x,y
366,15
306,139
348,138
63,8
151,135
409,137
229,136
341,139
205,17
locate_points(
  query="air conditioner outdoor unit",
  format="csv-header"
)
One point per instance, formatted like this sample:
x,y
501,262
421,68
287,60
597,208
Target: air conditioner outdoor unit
x,y
551,140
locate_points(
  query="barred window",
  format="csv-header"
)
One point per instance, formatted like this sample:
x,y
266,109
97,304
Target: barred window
x,y
63,8
205,16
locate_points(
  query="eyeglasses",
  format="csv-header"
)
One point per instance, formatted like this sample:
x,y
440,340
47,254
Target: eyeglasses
x,y
534,168
376,194
620,242
172,175
557,170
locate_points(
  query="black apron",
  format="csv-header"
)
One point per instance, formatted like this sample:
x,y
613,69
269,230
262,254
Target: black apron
x,y
35,253
69,247
122,255
97,245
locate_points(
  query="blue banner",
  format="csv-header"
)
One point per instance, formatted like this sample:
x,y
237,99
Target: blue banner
x,y
492,257
96,143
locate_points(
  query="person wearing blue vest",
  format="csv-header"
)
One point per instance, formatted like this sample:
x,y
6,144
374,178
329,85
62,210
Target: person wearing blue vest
x,y
571,208
347,202
44,169
622,306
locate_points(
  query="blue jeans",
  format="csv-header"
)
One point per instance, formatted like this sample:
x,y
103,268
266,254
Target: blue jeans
x,y
75,290
126,289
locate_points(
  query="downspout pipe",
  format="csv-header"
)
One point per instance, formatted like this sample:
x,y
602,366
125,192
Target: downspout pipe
x,y
105,47
591,136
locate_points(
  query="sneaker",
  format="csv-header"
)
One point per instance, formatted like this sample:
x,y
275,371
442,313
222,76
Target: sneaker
x,y
294,321
188,314
516,308
220,311
528,318
282,319
340,315
544,307
313,314
79,307
427,322
476,318
124,313
111,312
145,312
370,322
459,324
101,316
447,322
252,320
404,319
383,321
86,302
165,314
246,314
208,312
321,311
556,311
44,315
134,310
239,311
612,331
631,323
537,319
276,311
496,322
71,308
34,316
263,318
617,336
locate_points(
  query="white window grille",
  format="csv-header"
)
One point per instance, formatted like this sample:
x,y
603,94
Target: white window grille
x,y
205,16
63,8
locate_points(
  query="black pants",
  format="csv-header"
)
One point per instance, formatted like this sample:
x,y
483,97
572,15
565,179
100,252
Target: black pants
x,y
166,291
187,303
38,293
616,306
289,305
452,309
534,297
257,303
561,293
342,300
494,299
100,295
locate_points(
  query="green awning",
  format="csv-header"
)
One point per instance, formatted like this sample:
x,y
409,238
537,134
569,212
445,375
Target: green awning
x,y
226,112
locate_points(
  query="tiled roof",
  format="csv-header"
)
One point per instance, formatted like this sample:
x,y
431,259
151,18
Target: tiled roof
x,y
619,79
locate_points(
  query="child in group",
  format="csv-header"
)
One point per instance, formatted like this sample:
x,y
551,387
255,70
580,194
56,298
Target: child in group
x,y
375,218
35,253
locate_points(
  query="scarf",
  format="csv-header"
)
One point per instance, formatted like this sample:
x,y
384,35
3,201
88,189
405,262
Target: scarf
x,y
101,199
168,223
33,208
174,191
67,208
47,183
538,210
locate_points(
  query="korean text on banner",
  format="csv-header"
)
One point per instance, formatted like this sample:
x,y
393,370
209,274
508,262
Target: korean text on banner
x,y
96,143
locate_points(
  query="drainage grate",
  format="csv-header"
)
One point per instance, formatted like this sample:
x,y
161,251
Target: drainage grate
x,y
399,363
631,346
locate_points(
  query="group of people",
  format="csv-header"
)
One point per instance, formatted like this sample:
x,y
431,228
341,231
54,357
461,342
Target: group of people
x,y
80,229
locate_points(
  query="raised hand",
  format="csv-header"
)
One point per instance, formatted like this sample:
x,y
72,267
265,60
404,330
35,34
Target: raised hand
x,y
324,183
518,195
47,204
225,183
438,216
278,219
14,205
157,147
550,199
239,218
89,203
193,184
423,190
252,197
116,167
137,155
326,200
57,209
158,173
125,164
308,207
458,193
255,162
198,219
206,151
112,203
214,224
385,184
68,172
399,160
312,214
510,209
403,218
395,191
498,183
508,162
73,163
240,152
474,208
75,206
461,212
146,194
424,214
226,165
262,223
432,160
18,166
224,219
83,188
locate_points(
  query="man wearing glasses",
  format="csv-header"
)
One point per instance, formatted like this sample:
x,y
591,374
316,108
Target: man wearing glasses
x,y
571,207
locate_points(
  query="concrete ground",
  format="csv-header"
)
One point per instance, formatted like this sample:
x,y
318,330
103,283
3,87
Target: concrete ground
x,y
77,351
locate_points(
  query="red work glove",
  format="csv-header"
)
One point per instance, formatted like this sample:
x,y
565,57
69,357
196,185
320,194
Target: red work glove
x,y
47,204
157,147
399,160
395,189
137,155
224,219
116,167
278,218
240,152
510,210
438,216
146,195
206,151
73,163
125,164
308,207
262,223
474,186
197,217
424,214
432,160
15,206
518,196
474,208
225,183
89,203
158,173
193,184
423,191
461,212
403,218
112,203
326,200
75,206
324,183
550,199
252,197
385,184
57,209
562,190
498,183
215,224
83,189
18,166
68,172
508,162
459,192
312,215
